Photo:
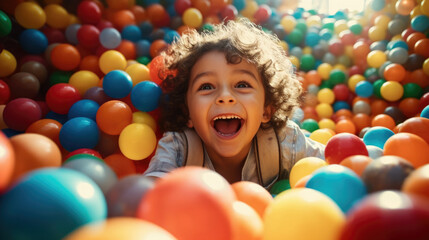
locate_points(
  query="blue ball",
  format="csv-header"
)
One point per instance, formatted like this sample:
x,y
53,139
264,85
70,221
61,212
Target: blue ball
x,y
339,183
84,108
312,39
143,48
110,38
364,89
425,112
145,96
117,84
131,33
239,4
171,36
61,118
146,28
397,44
97,170
33,41
420,23
338,105
377,136
79,132
49,204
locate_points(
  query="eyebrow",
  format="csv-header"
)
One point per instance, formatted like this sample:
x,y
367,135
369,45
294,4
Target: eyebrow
x,y
209,73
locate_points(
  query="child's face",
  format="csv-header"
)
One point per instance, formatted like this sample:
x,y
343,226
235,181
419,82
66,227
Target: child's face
x,y
226,104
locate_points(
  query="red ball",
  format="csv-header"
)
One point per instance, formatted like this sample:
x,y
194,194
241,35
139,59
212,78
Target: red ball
x,y
89,12
336,48
344,145
21,113
341,92
424,101
88,36
262,14
4,92
390,215
181,5
84,151
61,97
228,13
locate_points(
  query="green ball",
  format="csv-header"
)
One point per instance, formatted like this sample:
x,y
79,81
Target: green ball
x,y
5,24
310,125
337,76
412,90
83,156
143,60
301,25
295,37
329,25
370,72
59,77
307,62
280,186
326,84
207,27
377,86
356,29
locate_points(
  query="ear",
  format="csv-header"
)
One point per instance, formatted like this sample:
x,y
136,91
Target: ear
x,y
268,113
190,124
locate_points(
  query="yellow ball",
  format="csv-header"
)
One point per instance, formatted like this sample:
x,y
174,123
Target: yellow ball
x,y
353,80
324,70
294,60
424,7
120,228
324,110
146,118
137,141
57,16
426,66
327,123
340,26
7,63
306,50
391,91
112,60
377,33
84,80
192,17
313,21
326,95
250,9
138,73
288,22
304,167
382,21
30,15
322,135
303,213
376,58
284,45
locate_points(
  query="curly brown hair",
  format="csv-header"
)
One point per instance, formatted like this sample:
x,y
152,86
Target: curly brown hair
x,y
238,40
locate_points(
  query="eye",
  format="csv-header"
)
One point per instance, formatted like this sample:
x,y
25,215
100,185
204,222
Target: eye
x,y
243,84
205,86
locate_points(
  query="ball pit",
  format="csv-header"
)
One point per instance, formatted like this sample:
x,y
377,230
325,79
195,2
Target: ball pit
x,y
80,84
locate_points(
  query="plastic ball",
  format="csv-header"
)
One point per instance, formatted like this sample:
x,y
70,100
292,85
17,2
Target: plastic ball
x,y
320,214
422,47
377,136
310,125
138,73
254,195
356,163
391,213
345,126
83,108
30,15
383,120
386,173
364,89
326,95
37,69
79,132
202,204
61,97
145,96
344,145
112,60
83,80
21,113
121,165
305,167
117,84
417,182
97,94
425,112
91,153
46,127
131,33
391,91
322,135
248,223
56,16
62,200
137,141
33,41
110,38
5,23
113,116
23,85
65,63
394,72
192,17
7,63
89,12
376,58
416,125
409,146
97,170
398,55
7,162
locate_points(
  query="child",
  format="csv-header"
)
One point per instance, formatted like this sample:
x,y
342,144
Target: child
x,y
229,85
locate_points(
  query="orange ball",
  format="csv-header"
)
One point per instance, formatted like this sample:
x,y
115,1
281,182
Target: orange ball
x,y
418,182
119,4
157,15
90,63
313,77
422,47
248,224
122,18
253,195
113,116
65,57
344,113
33,151
7,162
120,164
416,125
128,49
345,126
383,120
378,106
139,13
394,72
202,5
357,163
361,121
409,106
157,47
46,127
302,182
409,146
418,77
413,38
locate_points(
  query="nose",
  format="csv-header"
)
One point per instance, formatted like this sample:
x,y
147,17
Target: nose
x,y
225,96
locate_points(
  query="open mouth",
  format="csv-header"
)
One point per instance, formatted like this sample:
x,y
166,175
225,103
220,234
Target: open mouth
x,y
227,125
